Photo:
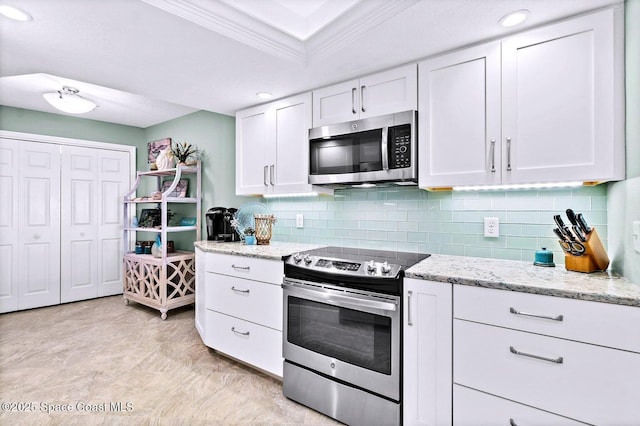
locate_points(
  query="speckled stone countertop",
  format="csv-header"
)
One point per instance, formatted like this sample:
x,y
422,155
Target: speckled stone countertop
x,y
525,277
274,251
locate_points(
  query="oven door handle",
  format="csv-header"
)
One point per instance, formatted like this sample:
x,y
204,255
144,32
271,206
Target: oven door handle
x,y
340,300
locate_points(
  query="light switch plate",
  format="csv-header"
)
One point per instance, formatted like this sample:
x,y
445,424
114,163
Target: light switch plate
x,y
491,227
299,220
636,235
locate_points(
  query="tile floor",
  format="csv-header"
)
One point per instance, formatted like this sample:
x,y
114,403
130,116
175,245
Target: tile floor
x,y
107,363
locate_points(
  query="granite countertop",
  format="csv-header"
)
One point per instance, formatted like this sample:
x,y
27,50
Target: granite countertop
x,y
479,272
525,277
273,251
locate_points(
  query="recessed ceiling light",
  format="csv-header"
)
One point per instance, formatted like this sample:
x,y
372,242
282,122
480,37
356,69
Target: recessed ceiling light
x,y
264,95
513,18
14,13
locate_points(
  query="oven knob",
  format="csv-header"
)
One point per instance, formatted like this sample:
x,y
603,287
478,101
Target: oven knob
x,y
297,258
333,365
385,268
307,259
371,266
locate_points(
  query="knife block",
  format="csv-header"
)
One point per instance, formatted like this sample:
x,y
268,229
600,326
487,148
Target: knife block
x,y
594,259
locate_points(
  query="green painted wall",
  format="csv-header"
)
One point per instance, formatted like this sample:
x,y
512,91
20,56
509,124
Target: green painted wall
x,y
42,123
215,134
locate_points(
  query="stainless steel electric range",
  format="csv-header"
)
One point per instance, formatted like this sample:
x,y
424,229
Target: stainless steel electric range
x,y
342,332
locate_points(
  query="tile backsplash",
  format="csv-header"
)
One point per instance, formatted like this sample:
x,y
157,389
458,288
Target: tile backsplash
x,y
410,219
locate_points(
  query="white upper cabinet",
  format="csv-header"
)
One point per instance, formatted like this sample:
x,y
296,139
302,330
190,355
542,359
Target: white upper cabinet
x,y
542,106
382,93
562,102
459,118
253,151
272,147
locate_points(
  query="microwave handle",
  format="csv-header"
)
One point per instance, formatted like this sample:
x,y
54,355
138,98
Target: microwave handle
x,y
385,148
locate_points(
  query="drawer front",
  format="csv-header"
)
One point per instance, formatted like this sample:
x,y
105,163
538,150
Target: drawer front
x,y
250,300
473,408
245,341
270,271
592,322
592,384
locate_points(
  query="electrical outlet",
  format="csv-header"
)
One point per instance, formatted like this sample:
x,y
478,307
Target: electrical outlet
x,y
491,227
636,235
299,220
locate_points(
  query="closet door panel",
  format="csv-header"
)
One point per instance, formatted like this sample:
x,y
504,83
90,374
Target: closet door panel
x,y
9,231
79,234
38,282
114,179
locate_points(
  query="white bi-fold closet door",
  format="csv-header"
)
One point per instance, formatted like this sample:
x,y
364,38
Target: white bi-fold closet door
x,y
61,231
93,182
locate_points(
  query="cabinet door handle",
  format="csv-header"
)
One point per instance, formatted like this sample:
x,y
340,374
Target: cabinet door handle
x,y
264,176
508,154
271,173
237,290
362,99
242,333
409,320
241,268
526,314
558,360
353,101
493,155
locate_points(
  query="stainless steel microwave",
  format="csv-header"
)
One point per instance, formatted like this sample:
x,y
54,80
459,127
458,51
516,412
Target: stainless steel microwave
x,y
376,149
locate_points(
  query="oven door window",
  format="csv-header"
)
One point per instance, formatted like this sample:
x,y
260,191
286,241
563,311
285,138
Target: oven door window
x,y
352,153
356,337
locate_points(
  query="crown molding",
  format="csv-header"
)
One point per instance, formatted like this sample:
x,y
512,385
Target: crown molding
x,y
353,25
223,19
217,16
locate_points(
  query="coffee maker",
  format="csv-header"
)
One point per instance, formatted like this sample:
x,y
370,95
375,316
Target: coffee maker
x,y
219,224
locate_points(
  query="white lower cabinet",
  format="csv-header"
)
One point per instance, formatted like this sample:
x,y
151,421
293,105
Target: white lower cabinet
x,y
473,408
427,353
545,356
242,315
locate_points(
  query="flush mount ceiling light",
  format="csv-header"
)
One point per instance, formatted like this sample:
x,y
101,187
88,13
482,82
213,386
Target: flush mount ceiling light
x,y
264,95
514,18
14,13
68,100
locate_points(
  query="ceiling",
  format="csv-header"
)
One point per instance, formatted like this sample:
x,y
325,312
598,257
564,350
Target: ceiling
x,y
147,61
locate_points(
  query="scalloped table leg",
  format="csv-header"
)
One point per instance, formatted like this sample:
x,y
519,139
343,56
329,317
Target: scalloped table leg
x,y
163,314
126,301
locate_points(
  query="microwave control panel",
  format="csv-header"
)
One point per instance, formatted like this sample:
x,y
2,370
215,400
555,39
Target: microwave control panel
x,y
399,140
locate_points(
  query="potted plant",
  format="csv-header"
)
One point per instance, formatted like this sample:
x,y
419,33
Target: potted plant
x,y
185,153
249,236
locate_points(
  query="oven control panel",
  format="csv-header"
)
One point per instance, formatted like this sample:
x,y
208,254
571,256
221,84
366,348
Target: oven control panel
x,y
345,267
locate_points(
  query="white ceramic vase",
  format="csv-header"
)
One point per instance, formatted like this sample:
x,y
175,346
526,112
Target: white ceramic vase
x,y
165,159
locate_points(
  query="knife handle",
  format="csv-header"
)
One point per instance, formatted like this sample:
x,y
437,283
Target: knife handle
x,y
582,223
578,232
560,235
572,217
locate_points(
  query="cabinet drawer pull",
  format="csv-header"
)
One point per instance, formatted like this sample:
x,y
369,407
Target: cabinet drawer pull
x,y
242,333
362,107
409,320
525,314
558,360
241,268
247,291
